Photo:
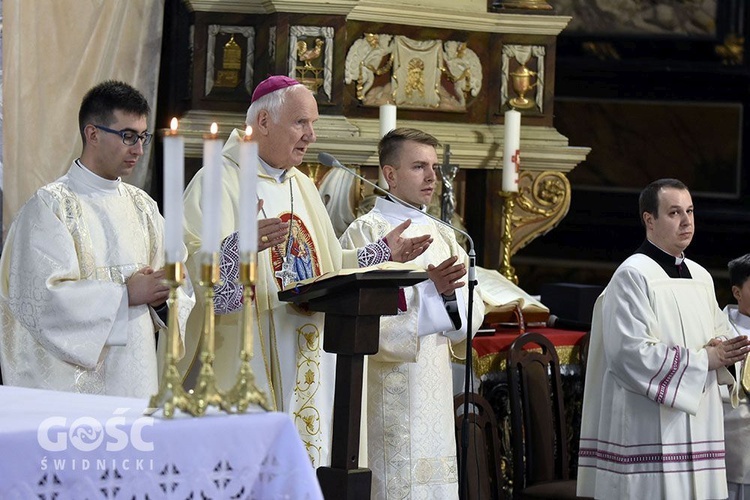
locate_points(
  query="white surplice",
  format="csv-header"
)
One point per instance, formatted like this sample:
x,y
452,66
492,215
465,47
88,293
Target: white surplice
x,y
652,419
410,422
66,322
737,422
289,363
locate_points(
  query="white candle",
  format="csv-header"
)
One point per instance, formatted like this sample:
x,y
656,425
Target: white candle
x,y
387,123
174,182
211,195
387,118
248,193
512,151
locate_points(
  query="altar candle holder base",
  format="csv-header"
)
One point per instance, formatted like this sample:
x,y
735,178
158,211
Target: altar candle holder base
x,y
171,395
206,393
244,392
506,240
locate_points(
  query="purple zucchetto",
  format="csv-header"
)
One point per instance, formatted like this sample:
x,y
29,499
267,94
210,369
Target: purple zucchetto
x,y
272,84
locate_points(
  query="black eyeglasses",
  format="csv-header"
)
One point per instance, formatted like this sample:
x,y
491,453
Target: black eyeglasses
x,y
129,138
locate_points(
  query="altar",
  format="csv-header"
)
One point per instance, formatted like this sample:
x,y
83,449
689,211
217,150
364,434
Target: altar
x,y
66,445
489,350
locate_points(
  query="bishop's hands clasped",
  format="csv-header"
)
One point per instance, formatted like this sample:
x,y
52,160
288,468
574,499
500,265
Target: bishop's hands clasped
x,y
406,249
446,275
727,352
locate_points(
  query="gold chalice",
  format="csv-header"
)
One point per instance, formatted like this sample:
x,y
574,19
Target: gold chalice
x,y
521,81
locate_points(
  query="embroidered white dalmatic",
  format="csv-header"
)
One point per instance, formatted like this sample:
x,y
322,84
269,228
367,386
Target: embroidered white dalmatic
x,y
652,419
737,421
289,363
410,422
66,321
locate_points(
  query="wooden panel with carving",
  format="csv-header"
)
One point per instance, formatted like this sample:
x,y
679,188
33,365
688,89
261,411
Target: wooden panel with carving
x,y
225,50
233,52
524,78
429,73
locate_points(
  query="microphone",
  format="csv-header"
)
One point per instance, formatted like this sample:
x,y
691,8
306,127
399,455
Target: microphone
x,y
329,161
567,324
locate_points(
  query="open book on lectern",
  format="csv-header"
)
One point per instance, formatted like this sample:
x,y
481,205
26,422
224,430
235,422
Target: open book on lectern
x,y
507,302
382,267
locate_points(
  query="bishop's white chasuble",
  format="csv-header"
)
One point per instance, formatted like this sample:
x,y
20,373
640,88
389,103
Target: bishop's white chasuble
x,y
66,322
410,424
652,416
289,363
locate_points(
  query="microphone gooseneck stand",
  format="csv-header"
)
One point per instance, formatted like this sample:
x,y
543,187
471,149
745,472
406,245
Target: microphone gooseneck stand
x,y
329,161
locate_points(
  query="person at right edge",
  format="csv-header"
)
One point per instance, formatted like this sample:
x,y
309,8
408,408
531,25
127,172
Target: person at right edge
x,y
652,424
737,419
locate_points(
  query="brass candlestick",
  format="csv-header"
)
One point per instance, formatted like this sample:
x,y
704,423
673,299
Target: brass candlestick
x,y
509,202
745,374
244,393
171,394
206,393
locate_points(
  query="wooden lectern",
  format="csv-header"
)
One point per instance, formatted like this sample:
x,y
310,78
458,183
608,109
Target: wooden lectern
x,y
353,304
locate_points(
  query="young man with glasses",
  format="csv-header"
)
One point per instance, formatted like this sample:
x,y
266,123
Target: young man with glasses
x,y
81,283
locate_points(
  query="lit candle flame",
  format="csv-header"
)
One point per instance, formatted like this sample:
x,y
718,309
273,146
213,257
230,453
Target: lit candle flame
x,y
214,128
173,125
248,132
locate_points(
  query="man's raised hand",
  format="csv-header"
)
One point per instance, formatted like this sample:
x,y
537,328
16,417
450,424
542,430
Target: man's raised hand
x,y
445,275
406,249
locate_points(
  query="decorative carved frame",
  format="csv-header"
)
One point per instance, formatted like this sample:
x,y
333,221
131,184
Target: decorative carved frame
x,y
326,32
249,33
522,54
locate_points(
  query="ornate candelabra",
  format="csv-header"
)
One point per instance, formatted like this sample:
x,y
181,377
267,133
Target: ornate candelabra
x,y
206,393
171,394
244,393
509,202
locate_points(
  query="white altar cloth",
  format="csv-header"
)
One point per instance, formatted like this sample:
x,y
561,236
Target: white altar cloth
x,y
64,445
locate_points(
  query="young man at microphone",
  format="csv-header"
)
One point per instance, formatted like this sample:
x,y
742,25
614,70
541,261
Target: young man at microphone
x,y
411,434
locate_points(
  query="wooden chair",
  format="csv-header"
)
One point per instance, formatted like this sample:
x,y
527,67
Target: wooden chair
x,y
484,462
538,430
583,353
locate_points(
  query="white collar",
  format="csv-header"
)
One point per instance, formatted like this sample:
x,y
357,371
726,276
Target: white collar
x,y
94,181
739,320
278,174
231,151
398,211
677,260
